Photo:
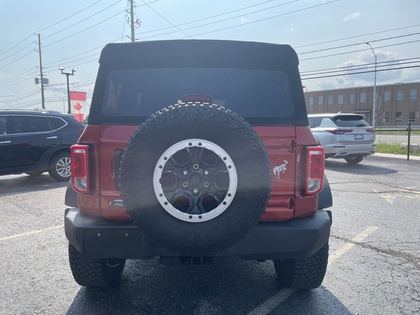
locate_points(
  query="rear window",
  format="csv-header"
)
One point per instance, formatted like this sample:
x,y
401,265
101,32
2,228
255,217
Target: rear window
x,y
350,121
249,93
315,121
57,122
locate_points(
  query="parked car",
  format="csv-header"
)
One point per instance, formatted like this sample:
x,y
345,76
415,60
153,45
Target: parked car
x,y
196,149
34,142
346,136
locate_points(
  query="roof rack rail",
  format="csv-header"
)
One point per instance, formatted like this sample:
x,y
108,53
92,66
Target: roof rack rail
x,y
29,110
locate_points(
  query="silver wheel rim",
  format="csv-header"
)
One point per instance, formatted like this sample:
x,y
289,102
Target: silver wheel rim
x,y
195,180
63,167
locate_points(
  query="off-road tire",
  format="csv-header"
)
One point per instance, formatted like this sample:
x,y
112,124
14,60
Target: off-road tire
x,y
306,273
59,167
218,128
356,159
95,272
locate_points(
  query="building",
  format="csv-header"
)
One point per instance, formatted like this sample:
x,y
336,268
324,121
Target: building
x,y
396,104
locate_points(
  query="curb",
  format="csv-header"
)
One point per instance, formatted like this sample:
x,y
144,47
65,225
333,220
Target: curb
x,y
397,156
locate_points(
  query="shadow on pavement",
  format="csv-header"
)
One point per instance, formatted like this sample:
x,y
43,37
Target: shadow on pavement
x,y
230,286
16,184
363,169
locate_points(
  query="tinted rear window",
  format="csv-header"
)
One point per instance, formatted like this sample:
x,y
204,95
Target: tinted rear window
x,y
350,121
57,122
315,121
249,93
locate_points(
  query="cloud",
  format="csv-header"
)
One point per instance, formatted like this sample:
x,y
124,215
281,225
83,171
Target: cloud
x,y
352,16
365,61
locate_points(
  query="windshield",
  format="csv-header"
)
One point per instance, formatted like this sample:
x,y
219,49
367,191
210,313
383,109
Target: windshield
x,y
249,93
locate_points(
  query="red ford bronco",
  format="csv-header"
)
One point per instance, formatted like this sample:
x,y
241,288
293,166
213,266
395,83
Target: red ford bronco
x,y
197,149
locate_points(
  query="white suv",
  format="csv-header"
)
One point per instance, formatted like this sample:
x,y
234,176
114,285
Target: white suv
x,y
342,135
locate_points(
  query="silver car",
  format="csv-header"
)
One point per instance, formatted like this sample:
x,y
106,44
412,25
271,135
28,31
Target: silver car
x,y
342,135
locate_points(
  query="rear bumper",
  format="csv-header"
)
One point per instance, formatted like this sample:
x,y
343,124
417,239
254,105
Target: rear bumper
x,y
339,150
96,237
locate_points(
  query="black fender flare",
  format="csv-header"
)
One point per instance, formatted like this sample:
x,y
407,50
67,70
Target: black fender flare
x,y
70,198
325,197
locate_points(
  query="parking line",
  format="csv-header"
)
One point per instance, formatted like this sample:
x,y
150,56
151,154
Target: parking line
x,y
347,246
272,302
31,232
283,294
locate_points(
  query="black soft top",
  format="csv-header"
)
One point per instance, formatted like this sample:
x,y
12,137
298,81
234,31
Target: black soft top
x,y
189,53
209,52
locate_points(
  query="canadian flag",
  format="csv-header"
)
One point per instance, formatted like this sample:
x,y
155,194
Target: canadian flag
x,y
78,104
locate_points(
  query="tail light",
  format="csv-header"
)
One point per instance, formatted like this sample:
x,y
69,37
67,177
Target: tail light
x,y
370,130
315,158
339,131
79,155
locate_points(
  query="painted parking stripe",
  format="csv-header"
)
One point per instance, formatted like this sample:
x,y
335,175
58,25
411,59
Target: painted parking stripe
x,y
347,246
274,301
31,232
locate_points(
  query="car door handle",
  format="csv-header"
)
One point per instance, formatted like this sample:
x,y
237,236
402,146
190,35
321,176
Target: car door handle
x,y
5,142
52,137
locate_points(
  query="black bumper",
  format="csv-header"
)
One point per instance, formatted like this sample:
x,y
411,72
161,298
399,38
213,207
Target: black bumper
x,y
96,237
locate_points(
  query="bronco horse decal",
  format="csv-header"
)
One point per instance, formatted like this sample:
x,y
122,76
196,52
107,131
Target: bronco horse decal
x,y
280,169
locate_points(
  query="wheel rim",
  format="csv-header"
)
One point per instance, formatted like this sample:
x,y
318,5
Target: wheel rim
x,y
195,180
63,167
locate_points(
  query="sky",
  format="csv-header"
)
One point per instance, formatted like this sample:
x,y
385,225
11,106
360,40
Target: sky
x,y
329,37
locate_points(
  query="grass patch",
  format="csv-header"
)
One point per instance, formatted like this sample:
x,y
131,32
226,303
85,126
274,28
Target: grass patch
x,y
396,132
394,148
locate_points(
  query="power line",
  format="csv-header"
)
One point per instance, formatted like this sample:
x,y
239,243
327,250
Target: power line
x,y
360,50
14,54
231,18
166,20
268,18
357,36
70,16
359,72
222,14
361,67
85,19
359,43
84,30
39,31
12,62
350,67
16,77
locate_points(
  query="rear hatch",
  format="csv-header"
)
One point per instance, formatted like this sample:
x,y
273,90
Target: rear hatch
x,y
259,82
354,130
256,95
279,141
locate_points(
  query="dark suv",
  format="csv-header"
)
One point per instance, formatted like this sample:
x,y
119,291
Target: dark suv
x,y
197,149
33,142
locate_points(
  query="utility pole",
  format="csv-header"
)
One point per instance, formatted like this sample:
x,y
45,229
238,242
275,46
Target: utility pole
x,y
374,88
40,70
132,22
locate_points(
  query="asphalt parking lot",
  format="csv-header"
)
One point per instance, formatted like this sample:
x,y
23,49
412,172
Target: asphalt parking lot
x,y
374,265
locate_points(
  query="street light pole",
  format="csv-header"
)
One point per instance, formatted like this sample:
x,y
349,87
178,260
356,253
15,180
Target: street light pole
x,y
68,85
374,89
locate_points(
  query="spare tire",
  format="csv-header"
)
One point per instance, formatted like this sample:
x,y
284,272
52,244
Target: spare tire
x,y
195,177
